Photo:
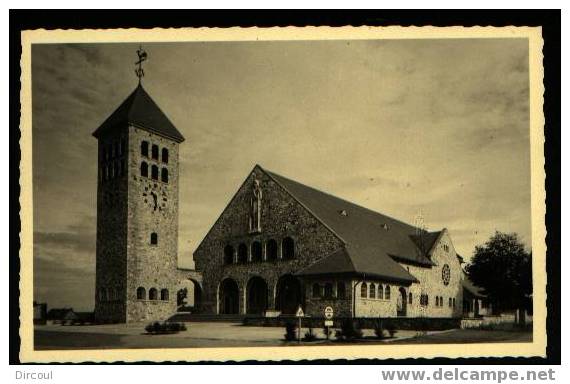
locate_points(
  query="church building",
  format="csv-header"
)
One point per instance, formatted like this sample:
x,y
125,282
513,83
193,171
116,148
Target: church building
x,y
280,244
277,246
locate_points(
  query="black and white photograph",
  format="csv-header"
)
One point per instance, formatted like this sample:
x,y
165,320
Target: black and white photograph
x,y
288,193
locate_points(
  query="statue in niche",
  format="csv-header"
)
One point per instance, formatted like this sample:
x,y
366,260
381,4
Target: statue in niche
x,y
255,207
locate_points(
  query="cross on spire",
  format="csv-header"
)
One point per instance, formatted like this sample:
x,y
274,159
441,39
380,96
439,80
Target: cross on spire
x,y
142,57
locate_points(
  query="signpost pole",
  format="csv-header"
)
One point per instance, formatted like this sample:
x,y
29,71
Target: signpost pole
x,y
299,329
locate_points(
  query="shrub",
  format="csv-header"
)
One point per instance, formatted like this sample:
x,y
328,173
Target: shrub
x,y
379,330
391,328
348,331
290,331
310,335
157,328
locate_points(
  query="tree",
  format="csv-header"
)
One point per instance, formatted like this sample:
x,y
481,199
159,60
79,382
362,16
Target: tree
x,y
503,269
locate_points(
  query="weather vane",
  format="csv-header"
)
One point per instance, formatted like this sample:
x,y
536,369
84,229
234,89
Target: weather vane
x,y
142,57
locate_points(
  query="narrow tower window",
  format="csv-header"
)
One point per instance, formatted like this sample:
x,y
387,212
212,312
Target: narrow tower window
x,y
256,252
164,175
144,169
153,238
165,155
288,248
364,290
141,293
328,290
155,152
316,290
144,148
271,249
154,172
164,294
340,290
152,294
242,253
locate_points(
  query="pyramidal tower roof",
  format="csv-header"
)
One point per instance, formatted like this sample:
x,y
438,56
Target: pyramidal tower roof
x,y
141,111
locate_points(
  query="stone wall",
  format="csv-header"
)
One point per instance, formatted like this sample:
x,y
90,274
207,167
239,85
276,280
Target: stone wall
x,y
152,266
431,283
380,305
315,305
281,216
111,245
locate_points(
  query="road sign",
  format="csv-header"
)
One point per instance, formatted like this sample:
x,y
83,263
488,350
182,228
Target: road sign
x,y
329,323
329,312
300,312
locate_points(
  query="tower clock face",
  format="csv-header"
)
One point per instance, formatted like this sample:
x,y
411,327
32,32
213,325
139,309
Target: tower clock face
x,y
155,197
445,274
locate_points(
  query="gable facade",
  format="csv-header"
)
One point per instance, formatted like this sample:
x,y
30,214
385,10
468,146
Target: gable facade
x,y
281,217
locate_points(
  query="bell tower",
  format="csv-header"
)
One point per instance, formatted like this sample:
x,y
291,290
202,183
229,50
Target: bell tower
x,y
137,211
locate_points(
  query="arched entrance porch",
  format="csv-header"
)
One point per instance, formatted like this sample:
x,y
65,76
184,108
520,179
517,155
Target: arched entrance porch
x,y
228,297
257,292
289,294
189,296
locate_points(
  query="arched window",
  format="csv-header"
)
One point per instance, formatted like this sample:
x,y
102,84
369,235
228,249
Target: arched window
x,y
427,299
228,254
155,152
153,238
340,290
271,249
316,290
364,290
164,294
242,253
437,301
450,302
328,290
144,148
153,294
144,169
372,291
380,291
256,252
164,175
387,293
141,293
454,302
154,172
165,155
288,248
410,300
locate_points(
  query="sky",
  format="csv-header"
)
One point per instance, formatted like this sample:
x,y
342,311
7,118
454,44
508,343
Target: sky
x,y
437,128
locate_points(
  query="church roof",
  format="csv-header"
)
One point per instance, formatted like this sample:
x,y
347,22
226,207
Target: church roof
x,y
374,243
140,110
